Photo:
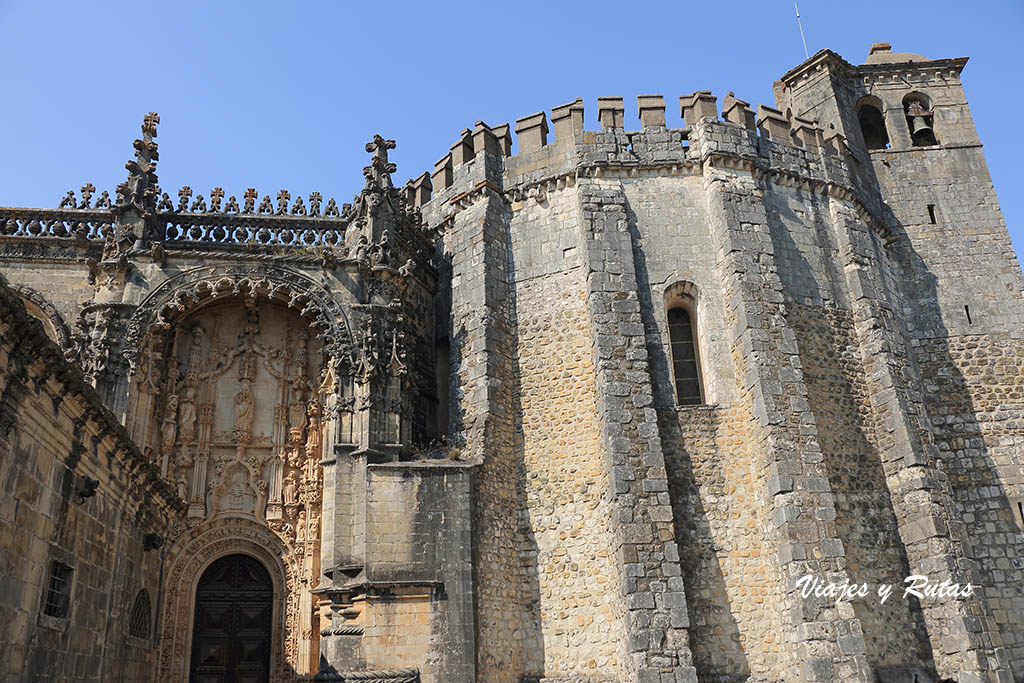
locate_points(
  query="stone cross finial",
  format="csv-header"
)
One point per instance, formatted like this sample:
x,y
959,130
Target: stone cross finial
x,y
149,124
380,167
314,203
216,195
250,200
282,202
379,147
183,195
87,191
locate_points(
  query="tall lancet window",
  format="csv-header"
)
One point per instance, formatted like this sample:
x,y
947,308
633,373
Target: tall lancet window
x,y
683,342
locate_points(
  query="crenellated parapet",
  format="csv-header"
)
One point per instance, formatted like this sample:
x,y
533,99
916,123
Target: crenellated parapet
x,y
764,141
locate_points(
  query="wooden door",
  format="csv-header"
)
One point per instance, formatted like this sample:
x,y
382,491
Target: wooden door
x,y
231,632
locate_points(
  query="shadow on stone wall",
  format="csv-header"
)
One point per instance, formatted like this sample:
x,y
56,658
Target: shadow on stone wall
x,y
715,638
994,541
838,396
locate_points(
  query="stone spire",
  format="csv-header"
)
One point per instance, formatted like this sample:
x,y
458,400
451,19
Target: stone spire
x,y
136,197
375,209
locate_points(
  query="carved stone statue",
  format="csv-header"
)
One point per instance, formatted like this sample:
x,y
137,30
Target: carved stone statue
x,y
244,408
300,527
313,429
195,352
296,415
290,490
188,415
169,428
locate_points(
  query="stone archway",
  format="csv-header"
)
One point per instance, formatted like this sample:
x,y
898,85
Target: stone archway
x,y
190,557
185,290
41,309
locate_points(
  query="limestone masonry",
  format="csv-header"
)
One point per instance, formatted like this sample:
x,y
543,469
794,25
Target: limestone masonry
x,y
589,412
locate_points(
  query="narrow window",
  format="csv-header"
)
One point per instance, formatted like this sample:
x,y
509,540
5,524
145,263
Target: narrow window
x,y
58,593
931,213
1017,512
138,622
684,357
967,310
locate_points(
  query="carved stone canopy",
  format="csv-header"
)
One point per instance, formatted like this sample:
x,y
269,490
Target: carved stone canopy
x,y
204,284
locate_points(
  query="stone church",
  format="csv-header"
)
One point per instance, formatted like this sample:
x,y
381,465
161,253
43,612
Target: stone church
x,y
617,407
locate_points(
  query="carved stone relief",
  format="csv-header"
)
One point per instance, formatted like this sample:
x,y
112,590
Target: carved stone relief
x,y
235,423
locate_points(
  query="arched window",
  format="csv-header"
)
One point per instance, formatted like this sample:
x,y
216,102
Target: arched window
x,y
139,620
872,123
681,311
920,119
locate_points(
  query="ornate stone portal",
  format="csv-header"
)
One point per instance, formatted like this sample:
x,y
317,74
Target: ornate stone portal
x,y
235,426
267,391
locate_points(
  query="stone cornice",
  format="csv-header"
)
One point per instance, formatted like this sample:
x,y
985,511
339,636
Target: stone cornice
x,y
828,58
758,166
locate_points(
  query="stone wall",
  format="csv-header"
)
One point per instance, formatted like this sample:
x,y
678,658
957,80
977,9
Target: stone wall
x,y
568,552
732,582
837,392
975,390
56,436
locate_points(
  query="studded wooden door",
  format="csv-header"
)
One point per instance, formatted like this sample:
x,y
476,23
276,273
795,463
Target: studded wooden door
x,y
231,632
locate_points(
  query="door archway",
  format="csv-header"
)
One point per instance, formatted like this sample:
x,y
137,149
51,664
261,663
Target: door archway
x,y
232,622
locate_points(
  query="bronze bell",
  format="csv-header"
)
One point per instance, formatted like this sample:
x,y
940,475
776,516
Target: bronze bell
x,y
920,126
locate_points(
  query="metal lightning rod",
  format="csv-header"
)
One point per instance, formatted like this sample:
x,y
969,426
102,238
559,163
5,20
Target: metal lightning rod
x,y
800,24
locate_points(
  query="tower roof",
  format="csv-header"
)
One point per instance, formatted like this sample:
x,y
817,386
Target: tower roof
x,y
881,53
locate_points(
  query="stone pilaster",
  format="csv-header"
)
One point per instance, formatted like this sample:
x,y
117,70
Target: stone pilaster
x,y
827,641
653,593
476,241
964,636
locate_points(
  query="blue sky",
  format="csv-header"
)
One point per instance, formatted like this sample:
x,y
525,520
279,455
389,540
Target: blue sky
x,y
284,95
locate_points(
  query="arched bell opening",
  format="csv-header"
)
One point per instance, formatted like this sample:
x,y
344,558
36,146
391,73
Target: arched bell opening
x,y
920,119
872,123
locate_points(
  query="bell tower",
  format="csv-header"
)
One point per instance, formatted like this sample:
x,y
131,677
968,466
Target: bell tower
x,y
919,163
940,307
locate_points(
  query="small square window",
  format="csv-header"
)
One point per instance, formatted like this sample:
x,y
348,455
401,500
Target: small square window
x,y
58,593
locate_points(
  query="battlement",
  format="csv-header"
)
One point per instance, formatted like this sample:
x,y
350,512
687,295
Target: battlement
x,y
567,122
